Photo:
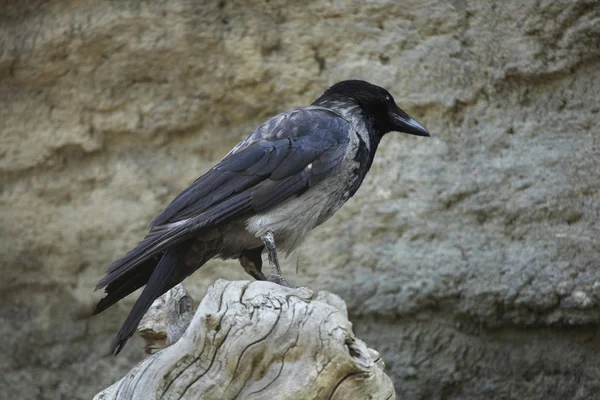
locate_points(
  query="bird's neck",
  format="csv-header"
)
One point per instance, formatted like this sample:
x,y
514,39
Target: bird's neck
x,y
363,124
368,137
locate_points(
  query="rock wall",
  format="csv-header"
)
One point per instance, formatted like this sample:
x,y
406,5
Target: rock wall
x,y
476,253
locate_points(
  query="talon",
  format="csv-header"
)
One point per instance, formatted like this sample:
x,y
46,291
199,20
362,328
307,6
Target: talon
x,y
280,280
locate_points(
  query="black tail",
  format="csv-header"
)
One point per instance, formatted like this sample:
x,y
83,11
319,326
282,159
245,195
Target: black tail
x,y
159,272
127,284
154,244
160,280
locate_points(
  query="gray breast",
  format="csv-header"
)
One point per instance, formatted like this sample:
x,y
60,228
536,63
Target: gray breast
x,y
293,219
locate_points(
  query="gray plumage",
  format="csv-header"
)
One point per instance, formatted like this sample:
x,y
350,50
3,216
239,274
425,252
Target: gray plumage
x,y
288,176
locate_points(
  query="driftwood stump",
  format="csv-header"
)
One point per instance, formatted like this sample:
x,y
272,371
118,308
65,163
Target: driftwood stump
x,y
252,340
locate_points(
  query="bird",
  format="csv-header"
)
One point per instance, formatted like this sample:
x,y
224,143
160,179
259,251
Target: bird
x,y
290,175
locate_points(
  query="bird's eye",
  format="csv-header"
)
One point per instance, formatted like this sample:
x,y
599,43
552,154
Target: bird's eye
x,y
388,99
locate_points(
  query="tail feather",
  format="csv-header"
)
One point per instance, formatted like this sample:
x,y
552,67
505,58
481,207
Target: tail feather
x,y
160,281
153,243
127,284
159,272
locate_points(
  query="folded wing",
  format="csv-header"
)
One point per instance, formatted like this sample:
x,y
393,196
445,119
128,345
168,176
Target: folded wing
x,y
282,158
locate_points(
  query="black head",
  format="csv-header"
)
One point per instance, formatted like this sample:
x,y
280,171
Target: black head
x,y
377,105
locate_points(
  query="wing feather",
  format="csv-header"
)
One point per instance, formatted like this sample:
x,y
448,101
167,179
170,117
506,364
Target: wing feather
x,y
303,137
282,158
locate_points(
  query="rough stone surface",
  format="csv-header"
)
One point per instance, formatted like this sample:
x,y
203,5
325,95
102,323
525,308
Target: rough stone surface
x,y
475,254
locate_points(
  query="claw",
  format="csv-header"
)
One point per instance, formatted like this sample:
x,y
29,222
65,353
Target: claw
x,y
280,280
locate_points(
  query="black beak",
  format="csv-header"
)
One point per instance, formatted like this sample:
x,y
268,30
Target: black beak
x,y
409,125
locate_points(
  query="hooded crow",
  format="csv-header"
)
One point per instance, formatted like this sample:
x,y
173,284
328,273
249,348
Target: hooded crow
x,y
289,176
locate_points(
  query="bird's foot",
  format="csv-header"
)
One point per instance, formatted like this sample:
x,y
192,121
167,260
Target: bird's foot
x,y
276,276
280,280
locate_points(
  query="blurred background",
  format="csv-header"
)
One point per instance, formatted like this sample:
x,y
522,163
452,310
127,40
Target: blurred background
x,y
470,261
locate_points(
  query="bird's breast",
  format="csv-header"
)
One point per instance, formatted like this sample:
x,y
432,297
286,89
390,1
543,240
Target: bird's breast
x,y
293,219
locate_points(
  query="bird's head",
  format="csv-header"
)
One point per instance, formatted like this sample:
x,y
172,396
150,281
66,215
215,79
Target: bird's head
x,y
376,104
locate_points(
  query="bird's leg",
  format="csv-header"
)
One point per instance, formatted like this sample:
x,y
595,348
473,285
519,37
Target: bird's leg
x,y
276,276
251,260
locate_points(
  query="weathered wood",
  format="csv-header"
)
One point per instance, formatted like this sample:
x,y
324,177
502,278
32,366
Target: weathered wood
x,y
167,319
253,340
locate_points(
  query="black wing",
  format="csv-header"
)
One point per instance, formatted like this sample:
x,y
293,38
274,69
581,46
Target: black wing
x,y
283,157
280,148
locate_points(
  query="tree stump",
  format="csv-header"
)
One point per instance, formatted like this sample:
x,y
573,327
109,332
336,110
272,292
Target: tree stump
x,y
252,340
